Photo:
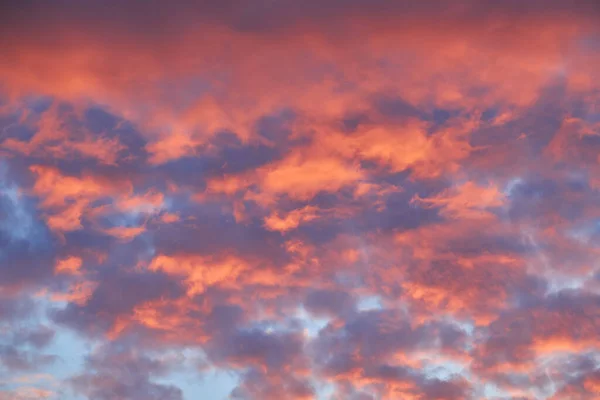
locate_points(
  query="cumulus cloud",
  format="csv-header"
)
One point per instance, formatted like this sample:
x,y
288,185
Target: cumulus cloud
x,y
319,199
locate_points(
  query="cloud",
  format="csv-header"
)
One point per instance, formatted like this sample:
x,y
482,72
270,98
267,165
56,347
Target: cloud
x,y
321,199
125,374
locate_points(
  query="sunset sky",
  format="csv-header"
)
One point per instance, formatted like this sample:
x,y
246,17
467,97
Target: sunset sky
x,y
300,200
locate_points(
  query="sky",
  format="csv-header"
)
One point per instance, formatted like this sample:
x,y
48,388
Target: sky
x,y
300,200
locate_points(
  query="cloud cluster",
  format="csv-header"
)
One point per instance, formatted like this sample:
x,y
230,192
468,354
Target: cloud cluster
x,y
318,199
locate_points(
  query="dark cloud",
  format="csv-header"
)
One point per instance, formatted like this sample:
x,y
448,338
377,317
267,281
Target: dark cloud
x,y
14,307
329,303
37,338
214,230
273,351
255,384
14,359
272,16
122,373
566,319
116,294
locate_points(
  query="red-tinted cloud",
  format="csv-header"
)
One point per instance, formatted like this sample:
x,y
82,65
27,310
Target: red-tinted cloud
x,y
350,199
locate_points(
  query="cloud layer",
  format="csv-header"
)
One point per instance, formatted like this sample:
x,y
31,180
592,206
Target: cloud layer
x,y
299,200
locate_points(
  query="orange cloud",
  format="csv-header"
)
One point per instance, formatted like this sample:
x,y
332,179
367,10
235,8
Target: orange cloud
x,y
467,201
290,221
200,273
69,265
302,178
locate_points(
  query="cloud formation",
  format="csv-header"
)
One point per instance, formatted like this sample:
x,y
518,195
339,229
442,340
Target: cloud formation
x,y
299,200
